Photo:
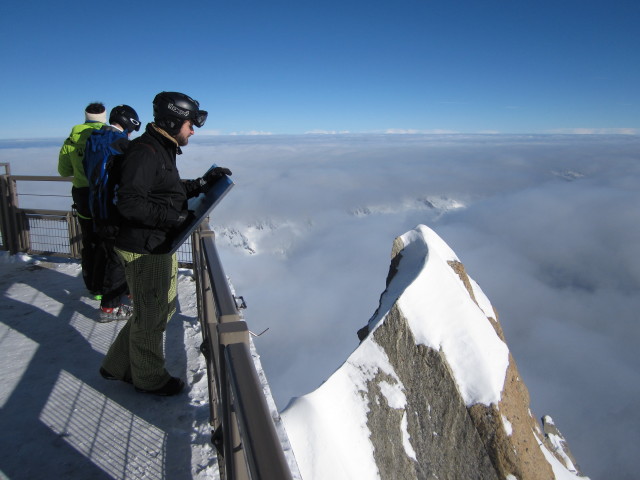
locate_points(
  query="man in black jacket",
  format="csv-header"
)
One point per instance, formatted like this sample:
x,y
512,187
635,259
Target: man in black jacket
x,y
152,200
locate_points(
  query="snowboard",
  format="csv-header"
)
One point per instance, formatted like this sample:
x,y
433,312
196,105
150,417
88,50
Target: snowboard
x,y
202,206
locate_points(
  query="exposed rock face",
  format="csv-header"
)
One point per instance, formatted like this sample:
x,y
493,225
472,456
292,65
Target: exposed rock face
x,y
450,439
445,440
432,391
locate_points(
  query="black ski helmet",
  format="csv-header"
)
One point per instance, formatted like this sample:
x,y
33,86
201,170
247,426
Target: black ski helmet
x,y
171,109
126,117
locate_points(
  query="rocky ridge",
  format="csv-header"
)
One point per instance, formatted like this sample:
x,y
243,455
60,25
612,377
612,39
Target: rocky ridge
x,y
441,391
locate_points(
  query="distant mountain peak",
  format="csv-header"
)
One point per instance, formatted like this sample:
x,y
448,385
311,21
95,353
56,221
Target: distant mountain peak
x,y
438,204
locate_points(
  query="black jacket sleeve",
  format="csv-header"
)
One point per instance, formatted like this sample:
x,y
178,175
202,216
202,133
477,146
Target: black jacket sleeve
x,y
193,187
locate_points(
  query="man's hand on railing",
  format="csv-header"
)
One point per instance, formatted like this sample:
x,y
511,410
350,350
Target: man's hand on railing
x,y
212,176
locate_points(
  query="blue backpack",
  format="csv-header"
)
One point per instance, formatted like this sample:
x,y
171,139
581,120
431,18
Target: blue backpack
x,y
104,151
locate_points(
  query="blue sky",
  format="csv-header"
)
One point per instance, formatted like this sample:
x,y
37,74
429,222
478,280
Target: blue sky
x,y
296,67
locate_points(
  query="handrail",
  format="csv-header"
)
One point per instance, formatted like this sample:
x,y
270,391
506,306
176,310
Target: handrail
x,y
44,212
223,298
264,452
41,178
250,448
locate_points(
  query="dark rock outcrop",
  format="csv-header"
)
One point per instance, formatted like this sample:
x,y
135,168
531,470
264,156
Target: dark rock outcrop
x,y
442,435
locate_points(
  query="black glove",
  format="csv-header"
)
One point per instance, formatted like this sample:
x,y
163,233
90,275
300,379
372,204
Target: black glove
x,y
211,177
215,173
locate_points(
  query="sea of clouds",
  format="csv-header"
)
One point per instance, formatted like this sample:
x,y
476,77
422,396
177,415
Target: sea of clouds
x,y
548,225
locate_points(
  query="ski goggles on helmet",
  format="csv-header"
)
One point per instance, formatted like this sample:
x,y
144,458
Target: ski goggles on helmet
x,y
199,118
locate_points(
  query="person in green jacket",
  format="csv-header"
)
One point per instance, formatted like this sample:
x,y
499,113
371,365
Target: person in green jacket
x,y
70,165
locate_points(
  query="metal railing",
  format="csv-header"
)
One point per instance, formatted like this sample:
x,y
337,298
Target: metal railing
x,y
250,445
44,231
242,427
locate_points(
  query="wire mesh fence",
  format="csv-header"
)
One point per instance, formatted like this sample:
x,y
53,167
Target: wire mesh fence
x,y
49,234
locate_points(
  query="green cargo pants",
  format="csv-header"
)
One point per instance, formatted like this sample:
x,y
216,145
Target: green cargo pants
x,y
137,353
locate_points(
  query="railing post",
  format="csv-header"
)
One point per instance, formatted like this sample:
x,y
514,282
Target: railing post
x,y
5,229
24,237
11,223
75,237
235,454
4,207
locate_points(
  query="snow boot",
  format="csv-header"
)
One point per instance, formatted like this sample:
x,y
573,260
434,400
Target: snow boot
x,y
173,387
107,314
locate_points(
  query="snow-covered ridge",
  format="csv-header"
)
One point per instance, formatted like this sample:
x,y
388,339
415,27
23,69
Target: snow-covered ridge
x,y
438,204
431,380
568,175
267,236
444,317
279,236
